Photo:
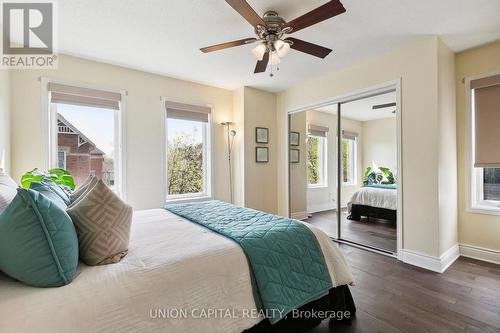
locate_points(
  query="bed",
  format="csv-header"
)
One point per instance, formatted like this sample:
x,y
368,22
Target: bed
x,y
375,201
162,276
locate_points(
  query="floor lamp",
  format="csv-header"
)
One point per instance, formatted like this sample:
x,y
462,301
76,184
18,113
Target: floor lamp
x,y
231,133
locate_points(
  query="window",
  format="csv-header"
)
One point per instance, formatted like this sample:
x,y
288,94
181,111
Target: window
x,y
61,159
491,184
86,133
349,160
483,98
316,161
188,151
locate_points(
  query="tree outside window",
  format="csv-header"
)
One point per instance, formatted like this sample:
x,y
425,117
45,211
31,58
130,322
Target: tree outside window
x,y
316,161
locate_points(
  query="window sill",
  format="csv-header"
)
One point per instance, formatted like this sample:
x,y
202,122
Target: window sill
x,y
487,209
317,187
188,199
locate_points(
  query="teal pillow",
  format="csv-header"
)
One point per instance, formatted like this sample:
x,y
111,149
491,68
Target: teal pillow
x,y
50,193
38,242
58,190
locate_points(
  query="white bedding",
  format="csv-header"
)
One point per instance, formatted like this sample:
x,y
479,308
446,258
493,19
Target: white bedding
x,y
374,197
172,264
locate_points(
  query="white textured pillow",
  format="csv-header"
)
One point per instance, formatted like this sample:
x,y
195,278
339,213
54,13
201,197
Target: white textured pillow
x,y
8,190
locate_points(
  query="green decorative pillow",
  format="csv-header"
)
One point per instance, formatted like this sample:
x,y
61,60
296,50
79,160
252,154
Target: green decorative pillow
x,y
57,190
49,192
38,242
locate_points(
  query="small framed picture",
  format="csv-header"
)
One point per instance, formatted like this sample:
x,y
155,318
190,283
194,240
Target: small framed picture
x,y
261,154
294,139
261,135
294,155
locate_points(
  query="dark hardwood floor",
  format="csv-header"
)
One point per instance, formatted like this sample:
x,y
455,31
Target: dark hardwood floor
x,y
391,296
372,232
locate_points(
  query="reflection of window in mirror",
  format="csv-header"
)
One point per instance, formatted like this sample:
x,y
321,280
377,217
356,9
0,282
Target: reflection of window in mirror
x,y
349,161
316,161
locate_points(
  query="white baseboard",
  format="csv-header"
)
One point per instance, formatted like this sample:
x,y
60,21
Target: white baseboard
x,y
299,215
435,264
321,207
480,253
449,257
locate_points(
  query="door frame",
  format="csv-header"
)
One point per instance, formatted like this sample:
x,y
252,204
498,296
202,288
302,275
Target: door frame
x,y
394,85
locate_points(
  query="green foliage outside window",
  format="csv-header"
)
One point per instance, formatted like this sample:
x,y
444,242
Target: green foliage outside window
x,y
313,160
185,165
346,159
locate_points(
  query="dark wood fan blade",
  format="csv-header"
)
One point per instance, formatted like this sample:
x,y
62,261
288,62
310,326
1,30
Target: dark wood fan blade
x,y
228,45
242,7
328,10
309,48
262,64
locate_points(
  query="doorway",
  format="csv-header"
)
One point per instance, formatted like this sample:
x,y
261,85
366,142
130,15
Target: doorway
x,y
345,168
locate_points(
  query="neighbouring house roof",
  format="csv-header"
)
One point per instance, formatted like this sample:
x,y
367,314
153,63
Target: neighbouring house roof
x,y
76,131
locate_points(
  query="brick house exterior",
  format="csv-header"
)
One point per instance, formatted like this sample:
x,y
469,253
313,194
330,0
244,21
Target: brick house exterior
x,y
78,154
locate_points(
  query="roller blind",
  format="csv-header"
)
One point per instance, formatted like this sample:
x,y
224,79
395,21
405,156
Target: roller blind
x,y
318,130
349,135
65,94
183,111
486,99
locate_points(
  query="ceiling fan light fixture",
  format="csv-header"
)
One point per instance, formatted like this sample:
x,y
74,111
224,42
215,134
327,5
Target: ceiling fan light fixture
x,y
259,51
274,58
282,48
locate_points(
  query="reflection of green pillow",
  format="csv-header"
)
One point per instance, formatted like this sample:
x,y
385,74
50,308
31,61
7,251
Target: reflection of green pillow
x,y
50,193
58,190
38,242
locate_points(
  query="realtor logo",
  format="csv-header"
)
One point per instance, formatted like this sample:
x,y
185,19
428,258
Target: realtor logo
x,y
28,35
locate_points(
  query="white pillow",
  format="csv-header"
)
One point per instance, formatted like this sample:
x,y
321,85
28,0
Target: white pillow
x,y
8,190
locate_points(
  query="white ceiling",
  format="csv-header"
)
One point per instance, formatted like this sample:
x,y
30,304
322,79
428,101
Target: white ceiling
x,y
164,36
362,109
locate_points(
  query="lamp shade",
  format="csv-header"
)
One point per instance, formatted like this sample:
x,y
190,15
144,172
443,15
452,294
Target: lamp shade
x,y
274,59
259,51
282,48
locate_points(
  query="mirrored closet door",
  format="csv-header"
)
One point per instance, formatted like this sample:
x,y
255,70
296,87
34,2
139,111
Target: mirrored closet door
x,y
343,169
368,177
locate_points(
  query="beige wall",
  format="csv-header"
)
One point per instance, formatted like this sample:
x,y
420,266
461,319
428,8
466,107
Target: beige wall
x,y
417,65
5,118
238,158
260,178
380,143
298,171
143,119
447,141
473,229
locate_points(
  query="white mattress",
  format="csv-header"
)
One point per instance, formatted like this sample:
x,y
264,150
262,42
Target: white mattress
x,y
375,197
172,264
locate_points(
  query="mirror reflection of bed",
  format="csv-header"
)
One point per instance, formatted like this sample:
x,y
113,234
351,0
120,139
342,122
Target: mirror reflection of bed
x,y
368,170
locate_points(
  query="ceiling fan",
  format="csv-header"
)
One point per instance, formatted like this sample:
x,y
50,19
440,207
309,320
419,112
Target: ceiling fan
x,y
271,30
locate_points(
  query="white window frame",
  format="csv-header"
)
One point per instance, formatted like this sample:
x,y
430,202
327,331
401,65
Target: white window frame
x,y
353,162
475,177
208,174
49,126
323,164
